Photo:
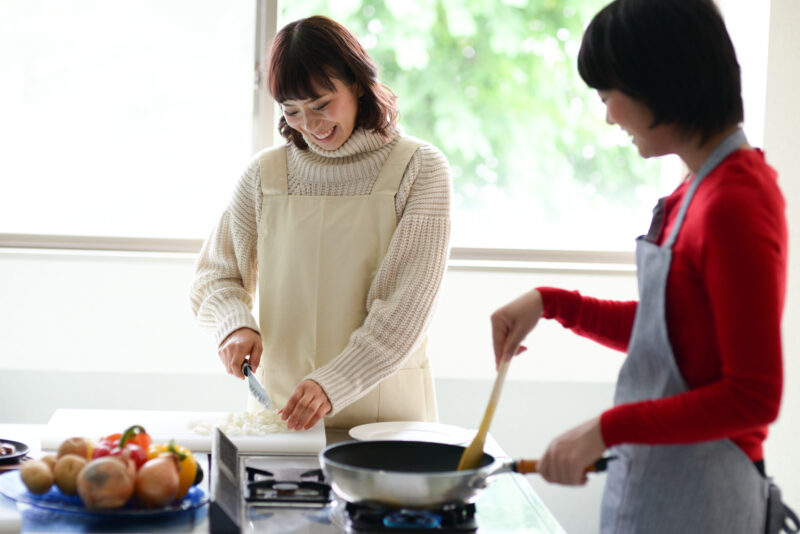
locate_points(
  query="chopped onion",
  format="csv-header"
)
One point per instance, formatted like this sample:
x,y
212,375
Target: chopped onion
x,y
256,423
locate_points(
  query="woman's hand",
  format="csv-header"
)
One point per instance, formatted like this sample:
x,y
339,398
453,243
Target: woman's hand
x,y
514,321
307,405
236,347
571,453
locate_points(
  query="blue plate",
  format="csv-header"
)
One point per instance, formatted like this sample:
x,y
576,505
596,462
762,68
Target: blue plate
x,y
11,486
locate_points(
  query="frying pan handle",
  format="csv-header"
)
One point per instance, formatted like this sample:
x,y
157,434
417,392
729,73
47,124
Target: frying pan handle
x,y
485,475
530,466
600,465
526,466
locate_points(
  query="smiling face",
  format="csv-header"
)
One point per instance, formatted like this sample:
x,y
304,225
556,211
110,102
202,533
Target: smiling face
x,y
326,121
635,117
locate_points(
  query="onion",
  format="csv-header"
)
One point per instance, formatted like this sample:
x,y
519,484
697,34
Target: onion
x,y
157,481
105,483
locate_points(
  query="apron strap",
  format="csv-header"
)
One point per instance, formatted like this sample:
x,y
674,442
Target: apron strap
x,y
272,166
729,145
791,523
394,167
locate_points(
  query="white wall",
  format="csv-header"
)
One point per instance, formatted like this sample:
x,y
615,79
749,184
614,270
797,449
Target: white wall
x,y
781,143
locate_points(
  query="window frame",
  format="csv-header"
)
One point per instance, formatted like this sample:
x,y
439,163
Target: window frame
x,y
263,136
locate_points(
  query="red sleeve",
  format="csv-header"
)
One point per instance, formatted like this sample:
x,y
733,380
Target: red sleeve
x,y
609,322
742,265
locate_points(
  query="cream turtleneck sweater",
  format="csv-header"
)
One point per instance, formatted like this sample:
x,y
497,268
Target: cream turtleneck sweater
x,y
407,283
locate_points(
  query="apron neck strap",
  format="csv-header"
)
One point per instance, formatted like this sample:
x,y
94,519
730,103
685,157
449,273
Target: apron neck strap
x,y
729,145
272,166
394,167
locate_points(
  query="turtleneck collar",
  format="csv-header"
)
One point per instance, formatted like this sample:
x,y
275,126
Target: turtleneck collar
x,y
359,142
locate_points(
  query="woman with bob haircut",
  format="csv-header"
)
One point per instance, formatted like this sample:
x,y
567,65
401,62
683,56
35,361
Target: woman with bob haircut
x,y
344,231
702,378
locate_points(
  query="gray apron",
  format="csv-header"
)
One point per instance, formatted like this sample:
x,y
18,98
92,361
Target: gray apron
x,y
704,487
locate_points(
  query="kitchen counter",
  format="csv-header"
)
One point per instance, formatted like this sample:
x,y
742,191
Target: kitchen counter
x,y
509,504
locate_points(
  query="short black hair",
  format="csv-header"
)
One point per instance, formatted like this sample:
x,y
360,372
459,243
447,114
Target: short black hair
x,y
673,55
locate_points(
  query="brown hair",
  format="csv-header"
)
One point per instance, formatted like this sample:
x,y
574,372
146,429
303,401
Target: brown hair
x,y
307,53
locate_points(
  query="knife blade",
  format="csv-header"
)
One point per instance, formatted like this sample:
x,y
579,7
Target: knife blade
x,y
256,389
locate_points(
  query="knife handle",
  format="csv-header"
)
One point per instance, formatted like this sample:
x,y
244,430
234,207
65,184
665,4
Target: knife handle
x,y
246,368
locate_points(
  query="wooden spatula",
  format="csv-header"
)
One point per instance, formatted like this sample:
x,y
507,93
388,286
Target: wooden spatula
x,y
471,458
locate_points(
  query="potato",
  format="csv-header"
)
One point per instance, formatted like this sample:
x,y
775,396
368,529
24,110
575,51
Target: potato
x,y
105,483
66,472
37,476
50,460
77,446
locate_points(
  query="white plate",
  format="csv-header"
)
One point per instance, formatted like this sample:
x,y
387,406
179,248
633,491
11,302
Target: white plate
x,y
413,431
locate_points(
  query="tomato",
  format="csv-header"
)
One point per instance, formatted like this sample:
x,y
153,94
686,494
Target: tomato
x,y
103,447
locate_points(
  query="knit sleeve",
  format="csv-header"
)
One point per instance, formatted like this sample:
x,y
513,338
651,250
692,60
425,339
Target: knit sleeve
x,y
608,322
402,296
226,273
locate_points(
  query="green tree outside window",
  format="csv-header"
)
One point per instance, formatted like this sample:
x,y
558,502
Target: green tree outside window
x,y
494,85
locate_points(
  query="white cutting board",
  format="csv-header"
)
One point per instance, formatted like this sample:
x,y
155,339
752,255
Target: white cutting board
x,y
165,425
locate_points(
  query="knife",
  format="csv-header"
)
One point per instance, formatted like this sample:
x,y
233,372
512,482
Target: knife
x,y
256,389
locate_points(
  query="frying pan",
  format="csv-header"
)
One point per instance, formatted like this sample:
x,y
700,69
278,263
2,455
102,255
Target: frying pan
x,y
410,474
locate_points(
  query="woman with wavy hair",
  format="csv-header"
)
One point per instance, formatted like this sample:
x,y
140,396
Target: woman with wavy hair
x,y
343,229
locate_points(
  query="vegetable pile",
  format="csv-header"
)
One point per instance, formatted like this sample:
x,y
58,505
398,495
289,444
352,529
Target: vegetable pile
x,y
115,470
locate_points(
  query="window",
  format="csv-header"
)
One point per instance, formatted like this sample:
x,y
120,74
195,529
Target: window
x,y
123,118
136,119
495,86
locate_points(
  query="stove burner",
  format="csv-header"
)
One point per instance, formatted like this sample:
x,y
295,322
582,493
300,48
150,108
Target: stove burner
x,y
412,519
368,517
285,488
263,491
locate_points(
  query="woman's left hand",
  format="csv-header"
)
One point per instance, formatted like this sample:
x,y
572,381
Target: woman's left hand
x,y
307,405
568,456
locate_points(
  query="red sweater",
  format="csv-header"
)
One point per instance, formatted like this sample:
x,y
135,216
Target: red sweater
x,y
724,301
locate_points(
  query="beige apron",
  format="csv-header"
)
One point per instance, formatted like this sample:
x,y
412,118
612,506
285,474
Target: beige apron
x,y
317,257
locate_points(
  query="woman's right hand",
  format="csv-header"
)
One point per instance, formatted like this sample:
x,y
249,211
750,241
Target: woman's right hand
x,y
235,349
514,321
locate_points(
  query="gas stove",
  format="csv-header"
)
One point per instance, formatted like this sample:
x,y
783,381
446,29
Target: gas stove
x,y
288,493
293,482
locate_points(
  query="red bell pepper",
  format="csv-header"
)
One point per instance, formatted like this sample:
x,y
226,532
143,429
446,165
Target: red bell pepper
x,y
134,440
136,435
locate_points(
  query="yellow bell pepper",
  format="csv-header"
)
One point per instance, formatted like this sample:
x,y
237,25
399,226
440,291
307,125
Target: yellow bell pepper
x,y
187,465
